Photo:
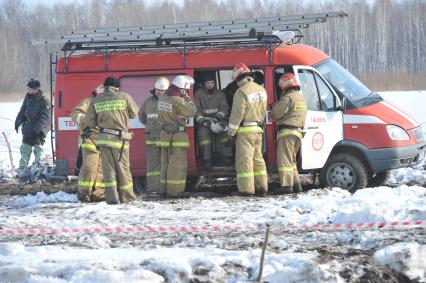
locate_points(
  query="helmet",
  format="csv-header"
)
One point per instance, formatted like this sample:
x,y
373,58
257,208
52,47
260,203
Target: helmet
x,y
239,70
32,83
183,81
162,83
218,127
287,81
111,81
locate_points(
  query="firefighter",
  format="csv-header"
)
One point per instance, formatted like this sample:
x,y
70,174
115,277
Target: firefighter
x,y
211,112
111,113
90,184
149,117
34,116
247,115
289,115
174,108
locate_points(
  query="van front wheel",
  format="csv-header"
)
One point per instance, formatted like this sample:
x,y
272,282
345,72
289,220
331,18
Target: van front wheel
x,y
344,171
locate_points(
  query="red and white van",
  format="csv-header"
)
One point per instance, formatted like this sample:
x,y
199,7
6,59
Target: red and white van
x,y
353,137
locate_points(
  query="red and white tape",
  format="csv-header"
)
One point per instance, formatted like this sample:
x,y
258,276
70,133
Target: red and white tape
x,y
215,228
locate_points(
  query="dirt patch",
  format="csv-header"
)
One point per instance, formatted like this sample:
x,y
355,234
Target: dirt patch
x,y
32,189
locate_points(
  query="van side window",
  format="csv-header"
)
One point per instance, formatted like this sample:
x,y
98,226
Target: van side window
x,y
328,101
139,86
309,90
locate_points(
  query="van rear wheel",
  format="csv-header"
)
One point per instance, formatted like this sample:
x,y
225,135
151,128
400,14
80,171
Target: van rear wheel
x,y
344,171
378,179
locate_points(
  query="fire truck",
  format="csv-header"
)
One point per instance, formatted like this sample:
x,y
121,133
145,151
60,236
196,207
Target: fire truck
x,y
352,136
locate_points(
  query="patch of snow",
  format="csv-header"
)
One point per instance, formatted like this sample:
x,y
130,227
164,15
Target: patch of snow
x,y
407,258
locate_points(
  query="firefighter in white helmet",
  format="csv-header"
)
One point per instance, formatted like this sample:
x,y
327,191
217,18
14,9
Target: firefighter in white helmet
x,y
289,115
90,176
212,110
149,117
247,115
174,109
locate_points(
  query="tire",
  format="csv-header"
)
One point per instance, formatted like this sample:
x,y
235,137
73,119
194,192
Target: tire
x,y
379,179
344,171
139,185
193,183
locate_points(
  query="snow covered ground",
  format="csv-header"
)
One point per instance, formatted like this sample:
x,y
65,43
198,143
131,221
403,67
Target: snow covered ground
x,y
292,255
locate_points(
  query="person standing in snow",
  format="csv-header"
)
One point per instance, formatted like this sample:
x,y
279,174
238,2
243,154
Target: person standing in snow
x,y
90,177
34,116
111,113
247,115
174,109
149,117
289,115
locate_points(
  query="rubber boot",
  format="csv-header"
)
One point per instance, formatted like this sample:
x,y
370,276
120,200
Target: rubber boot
x,y
38,151
25,155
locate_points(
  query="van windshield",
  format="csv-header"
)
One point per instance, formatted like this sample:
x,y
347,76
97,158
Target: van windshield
x,y
347,84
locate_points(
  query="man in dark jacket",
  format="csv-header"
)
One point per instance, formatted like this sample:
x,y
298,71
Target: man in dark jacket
x,y
34,117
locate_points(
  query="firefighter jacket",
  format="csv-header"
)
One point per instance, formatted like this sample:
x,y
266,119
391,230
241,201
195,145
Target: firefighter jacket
x,y
173,113
112,112
290,111
78,115
149,117
249,107
210,104
34,116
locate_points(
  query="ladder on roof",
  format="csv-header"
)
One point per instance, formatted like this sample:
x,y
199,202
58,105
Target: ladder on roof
x,y
228,33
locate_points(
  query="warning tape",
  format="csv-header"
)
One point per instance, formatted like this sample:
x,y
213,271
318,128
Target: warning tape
x,y
188,229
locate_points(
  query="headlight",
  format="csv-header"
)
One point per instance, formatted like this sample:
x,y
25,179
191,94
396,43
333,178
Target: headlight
x,y
397,133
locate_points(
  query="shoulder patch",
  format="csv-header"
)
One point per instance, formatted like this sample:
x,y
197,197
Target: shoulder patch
x,y
256,96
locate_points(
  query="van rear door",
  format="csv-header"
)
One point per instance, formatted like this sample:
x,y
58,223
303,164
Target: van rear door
x,y
324,121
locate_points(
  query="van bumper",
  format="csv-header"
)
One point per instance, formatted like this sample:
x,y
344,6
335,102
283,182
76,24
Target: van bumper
x,y
383,159
392,158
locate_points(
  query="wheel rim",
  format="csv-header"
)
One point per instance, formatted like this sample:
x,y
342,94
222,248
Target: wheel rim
x,y
341,175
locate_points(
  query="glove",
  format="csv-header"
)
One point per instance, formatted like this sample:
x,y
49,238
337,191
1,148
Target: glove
x,y
231,132
17,128
41,135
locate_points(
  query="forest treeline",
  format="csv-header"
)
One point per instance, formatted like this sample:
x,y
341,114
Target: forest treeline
x,y
383,42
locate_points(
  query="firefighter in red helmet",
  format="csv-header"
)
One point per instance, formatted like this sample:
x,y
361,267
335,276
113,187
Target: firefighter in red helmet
x,y
247,115
289,115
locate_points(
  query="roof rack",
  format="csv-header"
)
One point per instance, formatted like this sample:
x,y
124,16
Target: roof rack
x,y
235,33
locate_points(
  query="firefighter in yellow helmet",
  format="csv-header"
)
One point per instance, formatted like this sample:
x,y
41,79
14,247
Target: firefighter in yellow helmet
x,y
90,185
211,112
149,117
111,112
247,115
289,115
174,109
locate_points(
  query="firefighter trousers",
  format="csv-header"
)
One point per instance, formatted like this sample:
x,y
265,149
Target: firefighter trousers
x,y
153,163
251,170
286,160
205,141
174,163
117,177
90,178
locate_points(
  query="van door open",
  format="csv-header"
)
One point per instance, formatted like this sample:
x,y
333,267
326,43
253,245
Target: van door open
x,y
324,121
